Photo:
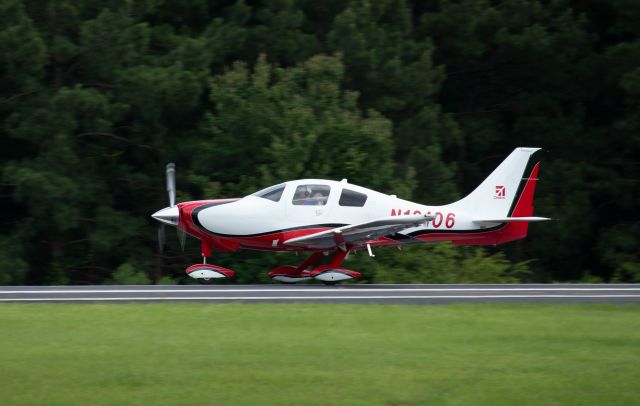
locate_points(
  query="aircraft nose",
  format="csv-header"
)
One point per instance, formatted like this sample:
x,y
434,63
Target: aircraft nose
x,y
168,215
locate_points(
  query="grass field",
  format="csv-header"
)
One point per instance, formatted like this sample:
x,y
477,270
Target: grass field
x,y
250,354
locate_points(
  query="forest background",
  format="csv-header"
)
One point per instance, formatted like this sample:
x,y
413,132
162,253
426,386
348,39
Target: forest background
x,y
418,98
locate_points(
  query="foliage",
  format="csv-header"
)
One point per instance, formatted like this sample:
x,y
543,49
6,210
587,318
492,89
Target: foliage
x,y
439,263
292,115
126,274
413,98
12,265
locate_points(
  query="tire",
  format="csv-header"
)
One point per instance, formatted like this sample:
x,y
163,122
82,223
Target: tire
x,y
330,283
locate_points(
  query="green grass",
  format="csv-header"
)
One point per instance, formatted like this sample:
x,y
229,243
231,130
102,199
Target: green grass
x,y
199,354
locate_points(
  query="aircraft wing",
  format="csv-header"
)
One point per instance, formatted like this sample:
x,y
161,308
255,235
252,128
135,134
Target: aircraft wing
x,y
356,234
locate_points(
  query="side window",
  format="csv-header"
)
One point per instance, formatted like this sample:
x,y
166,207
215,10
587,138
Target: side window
x,y
352,199
311,195
273,193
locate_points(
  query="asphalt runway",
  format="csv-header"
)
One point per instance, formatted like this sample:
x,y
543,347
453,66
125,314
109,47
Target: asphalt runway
x,y
380,294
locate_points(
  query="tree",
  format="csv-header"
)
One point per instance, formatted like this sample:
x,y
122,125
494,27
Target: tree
x,y
418,99
291,122
396,75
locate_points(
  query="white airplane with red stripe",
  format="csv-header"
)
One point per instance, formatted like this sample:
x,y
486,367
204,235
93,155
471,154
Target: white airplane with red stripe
x,y
330,219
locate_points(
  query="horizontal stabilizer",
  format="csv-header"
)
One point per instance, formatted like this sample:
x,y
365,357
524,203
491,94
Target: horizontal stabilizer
x,y
511,220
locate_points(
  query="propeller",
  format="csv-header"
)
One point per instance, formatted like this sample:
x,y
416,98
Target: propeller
x,y
170,216
161,238
171,183
182,237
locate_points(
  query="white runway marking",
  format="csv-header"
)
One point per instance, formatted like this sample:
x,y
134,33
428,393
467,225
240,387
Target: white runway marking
x,y
381,290
620,293
200,298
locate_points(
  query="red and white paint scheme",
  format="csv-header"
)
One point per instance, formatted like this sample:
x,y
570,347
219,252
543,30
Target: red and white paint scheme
x,y
330,219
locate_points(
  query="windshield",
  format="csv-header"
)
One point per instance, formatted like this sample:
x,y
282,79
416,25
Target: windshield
x,y
273,193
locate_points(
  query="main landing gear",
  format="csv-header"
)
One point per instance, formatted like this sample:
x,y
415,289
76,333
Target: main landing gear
x,y
329,274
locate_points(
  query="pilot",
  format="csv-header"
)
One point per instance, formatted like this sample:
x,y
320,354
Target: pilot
x,y
303,196
308,201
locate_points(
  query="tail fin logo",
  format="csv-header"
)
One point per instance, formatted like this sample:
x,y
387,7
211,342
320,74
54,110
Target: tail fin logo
x,y
501,192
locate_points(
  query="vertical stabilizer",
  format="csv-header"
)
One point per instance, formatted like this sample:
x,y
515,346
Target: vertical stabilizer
x,y
495,195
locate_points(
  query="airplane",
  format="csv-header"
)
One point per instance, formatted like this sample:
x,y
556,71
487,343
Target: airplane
x,y
334,218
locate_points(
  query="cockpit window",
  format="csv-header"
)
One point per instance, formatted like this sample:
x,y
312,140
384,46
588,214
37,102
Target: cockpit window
x,y
352,198
273,193
311,195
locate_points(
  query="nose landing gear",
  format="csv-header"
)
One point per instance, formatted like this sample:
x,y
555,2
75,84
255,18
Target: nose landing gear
x,y
207,273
